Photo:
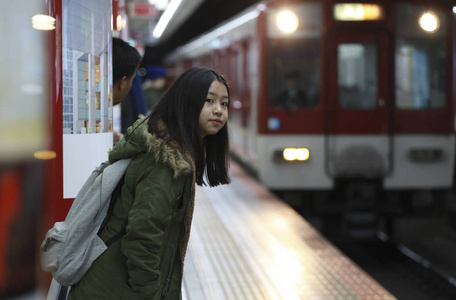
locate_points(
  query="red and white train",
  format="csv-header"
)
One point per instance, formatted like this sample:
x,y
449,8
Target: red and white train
x,y
328,90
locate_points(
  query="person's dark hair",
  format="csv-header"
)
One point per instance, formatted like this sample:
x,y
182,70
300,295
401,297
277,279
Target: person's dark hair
x,y
125,59
179,109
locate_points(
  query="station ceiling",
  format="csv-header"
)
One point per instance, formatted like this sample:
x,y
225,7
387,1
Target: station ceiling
x,y
192,18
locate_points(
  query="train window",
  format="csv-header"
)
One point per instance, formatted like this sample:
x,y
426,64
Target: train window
x,y
294,73
420,57
357,75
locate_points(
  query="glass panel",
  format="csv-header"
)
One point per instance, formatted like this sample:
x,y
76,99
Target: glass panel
x,y
87,103
294,59
24,102
420,60
357,75
294,73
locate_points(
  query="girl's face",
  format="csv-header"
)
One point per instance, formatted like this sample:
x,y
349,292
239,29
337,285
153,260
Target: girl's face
x,y
214,114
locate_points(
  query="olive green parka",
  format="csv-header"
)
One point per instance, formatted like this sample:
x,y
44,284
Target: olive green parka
x,y
147,262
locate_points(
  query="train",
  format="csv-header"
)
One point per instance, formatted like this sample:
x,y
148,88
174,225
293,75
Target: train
x,y
332,93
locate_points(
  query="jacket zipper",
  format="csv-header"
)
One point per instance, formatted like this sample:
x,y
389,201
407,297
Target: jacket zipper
x,y
168,280
173,252
171,263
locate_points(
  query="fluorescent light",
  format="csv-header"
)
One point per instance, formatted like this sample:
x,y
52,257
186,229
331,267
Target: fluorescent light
x,y
43,22
45,154
220,31
165,18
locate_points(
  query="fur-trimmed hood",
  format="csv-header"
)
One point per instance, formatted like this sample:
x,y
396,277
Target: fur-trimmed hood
x,y
138,140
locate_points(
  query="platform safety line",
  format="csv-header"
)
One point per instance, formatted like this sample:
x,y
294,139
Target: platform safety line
x,y
192,284
226,252
218,262
203,267
253,255
342,286
245,275
200,242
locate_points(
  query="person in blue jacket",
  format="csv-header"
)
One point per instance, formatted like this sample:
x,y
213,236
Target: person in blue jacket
x,y
134,105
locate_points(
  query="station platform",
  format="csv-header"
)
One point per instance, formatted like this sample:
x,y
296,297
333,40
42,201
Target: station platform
x,y
247,244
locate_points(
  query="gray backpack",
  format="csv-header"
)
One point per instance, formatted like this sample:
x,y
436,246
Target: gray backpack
x,y
70,247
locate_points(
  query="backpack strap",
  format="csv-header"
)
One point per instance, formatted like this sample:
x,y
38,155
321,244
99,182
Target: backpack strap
x,y
115,237
115,194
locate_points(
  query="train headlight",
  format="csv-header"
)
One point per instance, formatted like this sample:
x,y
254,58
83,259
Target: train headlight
x,y
425,155
287,21
429,22
292,154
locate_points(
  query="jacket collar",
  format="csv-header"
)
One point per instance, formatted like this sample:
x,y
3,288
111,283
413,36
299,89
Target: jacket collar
x,y
138,140
169,153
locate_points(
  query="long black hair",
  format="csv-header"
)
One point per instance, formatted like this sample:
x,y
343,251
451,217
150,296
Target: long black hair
x,y
179,109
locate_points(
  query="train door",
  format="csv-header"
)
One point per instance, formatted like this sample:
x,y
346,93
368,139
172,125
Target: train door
x,y
358,123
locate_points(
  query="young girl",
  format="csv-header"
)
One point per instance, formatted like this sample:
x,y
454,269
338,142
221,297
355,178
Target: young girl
x,y
185,137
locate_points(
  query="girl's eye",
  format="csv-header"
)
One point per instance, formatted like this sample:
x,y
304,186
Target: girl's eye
x,y
225,104
209,100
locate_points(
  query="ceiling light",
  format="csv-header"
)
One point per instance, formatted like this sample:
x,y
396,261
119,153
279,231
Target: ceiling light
x,y
43,22
165,18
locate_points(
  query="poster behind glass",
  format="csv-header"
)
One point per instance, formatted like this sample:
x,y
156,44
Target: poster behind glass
x,y
86,70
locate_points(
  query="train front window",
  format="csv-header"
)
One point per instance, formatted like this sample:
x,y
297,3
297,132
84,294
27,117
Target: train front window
x,y
420,58
357,75
294,73
294,57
